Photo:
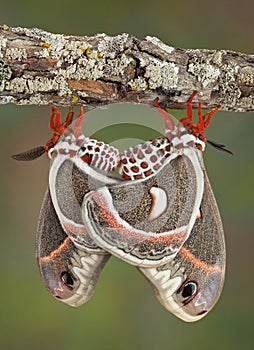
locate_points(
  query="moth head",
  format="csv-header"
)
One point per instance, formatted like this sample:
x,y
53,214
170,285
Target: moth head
x,y
196,130
197,296
58,128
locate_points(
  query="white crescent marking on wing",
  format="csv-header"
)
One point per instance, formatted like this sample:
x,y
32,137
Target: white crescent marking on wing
x,y
159,203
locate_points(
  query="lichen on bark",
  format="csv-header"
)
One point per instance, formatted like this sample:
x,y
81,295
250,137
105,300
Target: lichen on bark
x,y
38,67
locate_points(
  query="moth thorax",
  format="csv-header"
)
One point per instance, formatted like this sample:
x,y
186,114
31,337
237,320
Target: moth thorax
x,y
187,140
98,154
143,160
67,145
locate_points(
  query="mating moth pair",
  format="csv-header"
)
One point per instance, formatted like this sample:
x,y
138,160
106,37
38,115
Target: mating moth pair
x,y
159,214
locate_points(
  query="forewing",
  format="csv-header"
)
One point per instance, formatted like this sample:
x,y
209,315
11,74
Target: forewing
x,y
145,222
68,186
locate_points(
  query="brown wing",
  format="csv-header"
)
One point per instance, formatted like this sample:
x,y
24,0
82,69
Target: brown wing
x,y
191,284
69,273
145,222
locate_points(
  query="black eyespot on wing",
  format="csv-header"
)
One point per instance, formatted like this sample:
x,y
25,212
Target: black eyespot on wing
x,y
188,291
30,154
67,279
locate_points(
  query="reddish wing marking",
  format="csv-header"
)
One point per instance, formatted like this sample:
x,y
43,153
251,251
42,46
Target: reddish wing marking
x,y
113,222
198,263
57,252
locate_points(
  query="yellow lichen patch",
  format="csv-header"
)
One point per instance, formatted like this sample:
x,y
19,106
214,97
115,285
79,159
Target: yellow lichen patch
x,y
44,44
82,48
5,27
99,56
89,51
75,99
134,88
72,98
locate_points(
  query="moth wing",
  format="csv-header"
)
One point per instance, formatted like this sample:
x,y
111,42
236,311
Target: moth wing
x,y
146,222
191,284
68,185
69,273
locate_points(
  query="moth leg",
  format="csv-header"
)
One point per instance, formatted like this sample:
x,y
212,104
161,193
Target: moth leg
x,y
165,115
189,117
57,127
79,122
207,117
55,119
69,117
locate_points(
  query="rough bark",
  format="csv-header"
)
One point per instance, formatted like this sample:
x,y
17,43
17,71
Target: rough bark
x,y
37,67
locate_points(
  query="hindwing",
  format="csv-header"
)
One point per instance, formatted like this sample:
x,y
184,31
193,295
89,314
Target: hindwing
x,y
190,285
68,272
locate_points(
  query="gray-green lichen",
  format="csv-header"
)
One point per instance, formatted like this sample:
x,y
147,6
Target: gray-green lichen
x,y
157,73
162,74
157,42
37,84
36,99
43,52
204,68
228,86
79,59
246,76
206,73
84,62
16,54
139,84
6,99
5,71
3,42
56,41
94,68
111,46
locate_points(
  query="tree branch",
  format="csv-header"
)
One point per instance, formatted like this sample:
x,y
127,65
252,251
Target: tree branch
x,y
37,67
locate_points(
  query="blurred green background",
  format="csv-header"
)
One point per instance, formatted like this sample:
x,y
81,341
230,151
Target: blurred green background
x,y
124,314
